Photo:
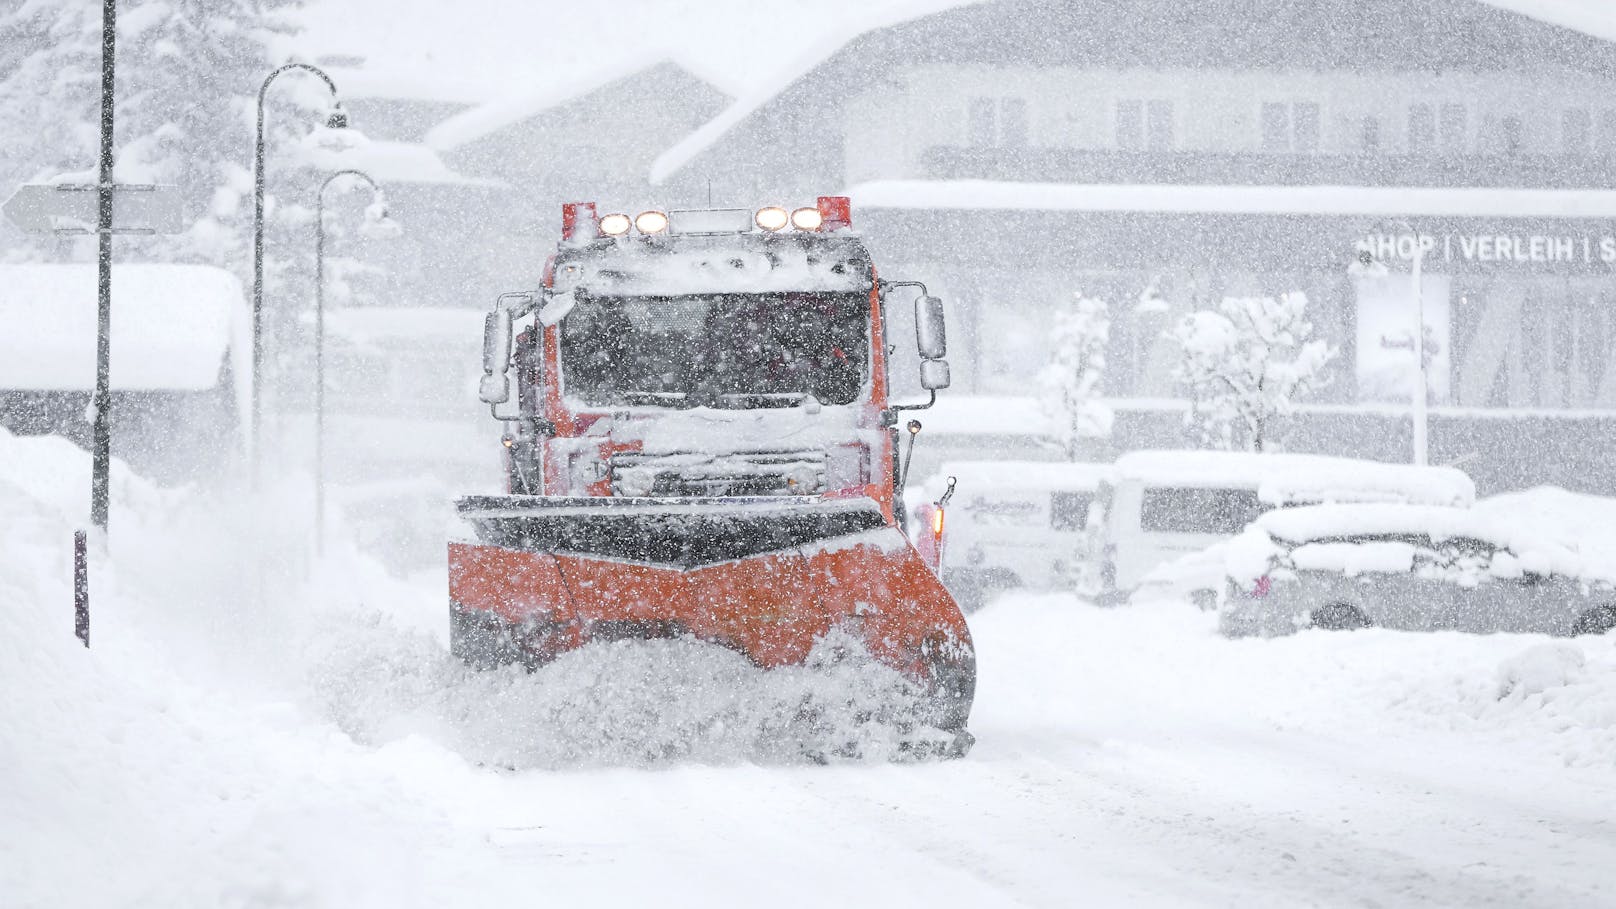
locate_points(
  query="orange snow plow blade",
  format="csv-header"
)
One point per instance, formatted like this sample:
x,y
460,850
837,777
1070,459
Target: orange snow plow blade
x,y
766,576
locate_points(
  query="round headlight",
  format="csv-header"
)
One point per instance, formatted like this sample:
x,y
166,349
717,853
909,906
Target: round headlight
x,y
651,222
772,218
614,225
807,219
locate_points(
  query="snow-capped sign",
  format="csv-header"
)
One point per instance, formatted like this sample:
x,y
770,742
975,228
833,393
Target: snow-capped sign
x,y
72,208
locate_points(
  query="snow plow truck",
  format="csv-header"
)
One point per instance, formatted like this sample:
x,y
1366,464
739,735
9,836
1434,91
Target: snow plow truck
x,y
701,444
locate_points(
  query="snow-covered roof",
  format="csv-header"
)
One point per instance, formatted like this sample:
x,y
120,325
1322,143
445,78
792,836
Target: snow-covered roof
x,y
806,57
471,125
1284,479
171,326
392,162
1591,17
1367,201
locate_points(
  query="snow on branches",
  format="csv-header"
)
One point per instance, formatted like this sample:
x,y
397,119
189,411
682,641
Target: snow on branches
x,y
1071,382
1246,363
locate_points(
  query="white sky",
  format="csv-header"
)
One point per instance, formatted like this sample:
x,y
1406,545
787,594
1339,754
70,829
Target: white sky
x,y
473,50
479,49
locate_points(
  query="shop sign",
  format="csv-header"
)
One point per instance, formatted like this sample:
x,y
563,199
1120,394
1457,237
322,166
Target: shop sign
x,y
1498,248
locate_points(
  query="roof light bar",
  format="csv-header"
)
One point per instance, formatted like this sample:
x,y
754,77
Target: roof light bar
x,y
773,218
578,221
614,225
807,219
651,222
837,212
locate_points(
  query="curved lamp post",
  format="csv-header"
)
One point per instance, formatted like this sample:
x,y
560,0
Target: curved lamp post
x,y
379,224
1369,265
338,120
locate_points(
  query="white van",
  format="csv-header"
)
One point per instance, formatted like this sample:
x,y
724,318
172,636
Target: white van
x,y
1018,524
1162,505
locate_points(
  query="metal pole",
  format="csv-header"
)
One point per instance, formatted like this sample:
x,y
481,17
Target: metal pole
x,y
1419,416
319,349
101,455
258,260
81,588
319,370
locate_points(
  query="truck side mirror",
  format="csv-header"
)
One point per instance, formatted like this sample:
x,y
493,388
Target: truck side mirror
x,y
934,374
495,387
930,335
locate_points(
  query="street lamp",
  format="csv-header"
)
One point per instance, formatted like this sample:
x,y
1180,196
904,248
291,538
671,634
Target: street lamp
x,y
1368,265
338,120
378,224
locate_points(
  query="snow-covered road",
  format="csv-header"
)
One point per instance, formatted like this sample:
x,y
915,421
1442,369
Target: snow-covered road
x,y
319,749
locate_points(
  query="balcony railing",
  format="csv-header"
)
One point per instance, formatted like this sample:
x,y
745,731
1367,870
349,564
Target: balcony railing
x,y
1066,165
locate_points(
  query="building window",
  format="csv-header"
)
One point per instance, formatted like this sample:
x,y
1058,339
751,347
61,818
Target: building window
x,y
1576,132
1013,122
1276,127
996,122
1130,125
1455,132
1512,135
1421,127
980,118
1369,138
1159,125
1306,115
1606,146
1290,127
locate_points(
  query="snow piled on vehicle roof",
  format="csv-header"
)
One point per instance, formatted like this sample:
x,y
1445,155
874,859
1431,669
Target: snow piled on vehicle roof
x,y
737,264
1247,556
1291,479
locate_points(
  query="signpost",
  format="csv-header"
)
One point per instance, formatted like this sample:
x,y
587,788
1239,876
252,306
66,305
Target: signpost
x,y
104,208
69,209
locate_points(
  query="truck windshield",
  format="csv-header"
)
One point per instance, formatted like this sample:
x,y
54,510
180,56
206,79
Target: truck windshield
x,y
717,350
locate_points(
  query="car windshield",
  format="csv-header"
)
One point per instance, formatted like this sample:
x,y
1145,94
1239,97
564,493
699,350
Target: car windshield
x,y
717,350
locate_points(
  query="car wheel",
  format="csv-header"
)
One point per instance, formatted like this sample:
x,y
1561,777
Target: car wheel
x,y
1597,620
1339,617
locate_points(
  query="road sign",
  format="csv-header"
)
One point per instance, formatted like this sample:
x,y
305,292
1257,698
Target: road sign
x,y
70,208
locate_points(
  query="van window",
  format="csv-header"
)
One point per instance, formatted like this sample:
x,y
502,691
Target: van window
x,y
1224,512
1069,510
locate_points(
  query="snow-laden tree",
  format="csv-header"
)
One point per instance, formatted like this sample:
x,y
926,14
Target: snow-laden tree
x,y
188,73
1246,363
1071,382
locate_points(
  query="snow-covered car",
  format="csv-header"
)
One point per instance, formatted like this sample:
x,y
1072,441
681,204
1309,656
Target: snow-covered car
x,y
1033,525
1416,568
1163,505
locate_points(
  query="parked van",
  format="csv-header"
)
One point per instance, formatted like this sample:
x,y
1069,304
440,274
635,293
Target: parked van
x,y
1162,505
1034,525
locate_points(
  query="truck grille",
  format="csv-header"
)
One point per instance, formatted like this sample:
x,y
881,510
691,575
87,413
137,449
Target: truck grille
x,y
784,473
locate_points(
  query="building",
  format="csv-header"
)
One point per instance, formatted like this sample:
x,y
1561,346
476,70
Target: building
x,y
1163,156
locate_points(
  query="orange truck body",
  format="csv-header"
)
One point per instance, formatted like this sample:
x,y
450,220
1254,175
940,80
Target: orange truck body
x,y
654,518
